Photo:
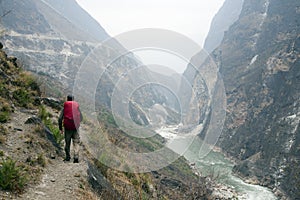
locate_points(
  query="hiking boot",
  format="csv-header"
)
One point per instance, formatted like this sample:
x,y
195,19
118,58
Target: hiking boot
x,y
76,160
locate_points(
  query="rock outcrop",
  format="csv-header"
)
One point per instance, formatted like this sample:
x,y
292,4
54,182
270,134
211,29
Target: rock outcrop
x,y
259,62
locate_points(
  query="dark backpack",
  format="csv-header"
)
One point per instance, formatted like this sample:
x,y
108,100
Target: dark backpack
x,y
71,115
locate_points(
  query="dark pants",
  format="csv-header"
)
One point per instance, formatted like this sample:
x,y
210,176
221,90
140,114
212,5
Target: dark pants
x,y
74,136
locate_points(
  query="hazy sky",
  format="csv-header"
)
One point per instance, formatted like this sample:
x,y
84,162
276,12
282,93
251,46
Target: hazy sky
x,y
189,17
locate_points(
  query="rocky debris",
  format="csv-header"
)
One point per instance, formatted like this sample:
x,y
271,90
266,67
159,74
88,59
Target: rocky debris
x,y
18,129
52,102
223,192
156,174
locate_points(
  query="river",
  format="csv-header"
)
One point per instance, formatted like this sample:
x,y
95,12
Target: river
x,y
215,164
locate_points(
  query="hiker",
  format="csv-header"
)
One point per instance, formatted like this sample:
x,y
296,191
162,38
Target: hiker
x,y
70,117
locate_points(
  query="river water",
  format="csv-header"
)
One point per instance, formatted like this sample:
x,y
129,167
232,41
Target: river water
x,y
215,164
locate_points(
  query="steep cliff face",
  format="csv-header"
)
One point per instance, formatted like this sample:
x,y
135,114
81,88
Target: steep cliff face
x,y
259,62
225,17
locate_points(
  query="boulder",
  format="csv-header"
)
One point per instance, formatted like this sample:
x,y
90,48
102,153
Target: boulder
x,y
52,102
33,120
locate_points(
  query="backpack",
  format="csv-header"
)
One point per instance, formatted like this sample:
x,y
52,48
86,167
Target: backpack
x,y
71,115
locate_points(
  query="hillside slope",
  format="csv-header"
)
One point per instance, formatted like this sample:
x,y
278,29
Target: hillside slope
x,y
51,38
31,164
31,152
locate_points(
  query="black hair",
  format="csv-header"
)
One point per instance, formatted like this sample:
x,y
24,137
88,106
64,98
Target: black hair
x,y
70,98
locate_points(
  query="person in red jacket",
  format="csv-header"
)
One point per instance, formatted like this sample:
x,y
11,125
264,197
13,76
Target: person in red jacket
x,y
70,118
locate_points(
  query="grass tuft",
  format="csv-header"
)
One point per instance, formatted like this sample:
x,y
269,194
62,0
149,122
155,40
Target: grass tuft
x,y
12,177
45,117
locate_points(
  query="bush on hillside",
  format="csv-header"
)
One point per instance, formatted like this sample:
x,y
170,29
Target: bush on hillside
x,y
12,177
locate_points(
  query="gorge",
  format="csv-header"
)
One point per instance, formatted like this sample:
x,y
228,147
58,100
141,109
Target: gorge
x,y
254,46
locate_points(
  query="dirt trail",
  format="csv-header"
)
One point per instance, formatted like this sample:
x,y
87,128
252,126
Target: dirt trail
x,y
59,180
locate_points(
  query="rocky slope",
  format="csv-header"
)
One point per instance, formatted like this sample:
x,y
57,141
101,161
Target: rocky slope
x,y
259,62
43,36
31,153
31,164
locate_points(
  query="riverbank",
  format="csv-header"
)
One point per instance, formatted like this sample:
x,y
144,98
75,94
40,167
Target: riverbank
x,y
217,166
251,180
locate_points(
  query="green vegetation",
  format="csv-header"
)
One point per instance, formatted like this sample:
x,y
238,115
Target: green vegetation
x,y
107,117
22,85
22,97
43,114
39,160
4,92
12,177
4,116
45,117
27,80
3,132
57,135
5,111
148,144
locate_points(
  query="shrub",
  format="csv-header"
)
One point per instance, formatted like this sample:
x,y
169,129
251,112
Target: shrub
x,y
3,90
12,177
4,116
43,114
56,133
45,117
5,111
22,97
28,80
41,160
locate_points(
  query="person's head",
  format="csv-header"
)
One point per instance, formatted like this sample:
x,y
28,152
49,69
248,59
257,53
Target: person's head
x,y
70,98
